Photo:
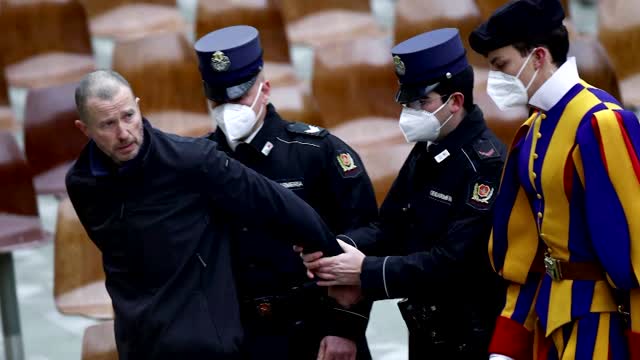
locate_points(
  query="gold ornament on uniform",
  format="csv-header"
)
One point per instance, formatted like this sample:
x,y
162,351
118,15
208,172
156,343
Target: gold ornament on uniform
x,y
400,68
220,62
346,162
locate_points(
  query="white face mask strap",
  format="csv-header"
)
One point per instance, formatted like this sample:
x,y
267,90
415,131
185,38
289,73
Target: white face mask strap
x,y
535,73
257,96
441,106
525,63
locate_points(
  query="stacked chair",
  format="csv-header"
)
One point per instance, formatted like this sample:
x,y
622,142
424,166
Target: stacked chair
x,y
44,42
354,86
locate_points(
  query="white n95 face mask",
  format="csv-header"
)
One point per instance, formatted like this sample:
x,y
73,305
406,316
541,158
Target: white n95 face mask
x,y
420,125
507,91
236,120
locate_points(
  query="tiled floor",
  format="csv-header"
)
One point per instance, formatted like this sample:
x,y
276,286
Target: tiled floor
x,y
48,335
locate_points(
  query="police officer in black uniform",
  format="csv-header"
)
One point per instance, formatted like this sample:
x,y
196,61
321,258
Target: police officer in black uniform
x,y
435,221
285,316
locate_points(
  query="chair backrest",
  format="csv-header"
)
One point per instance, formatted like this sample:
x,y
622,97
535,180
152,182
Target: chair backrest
x,y
99,7
4,87
293,10
354,78
16,180
163,72
487,7
593,63
261,14
414,17
50,137
99,342
77,260
619,33
39,26
294,103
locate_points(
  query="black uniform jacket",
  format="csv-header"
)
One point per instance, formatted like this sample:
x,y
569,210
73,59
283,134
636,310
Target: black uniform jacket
x,y
329,176
435,222
160,221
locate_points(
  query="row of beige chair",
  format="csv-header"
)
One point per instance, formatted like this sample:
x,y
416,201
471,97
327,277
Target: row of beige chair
x,y
71,57
352,80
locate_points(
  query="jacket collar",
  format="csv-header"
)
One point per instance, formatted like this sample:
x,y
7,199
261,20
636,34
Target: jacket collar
x,y
469,128
552,91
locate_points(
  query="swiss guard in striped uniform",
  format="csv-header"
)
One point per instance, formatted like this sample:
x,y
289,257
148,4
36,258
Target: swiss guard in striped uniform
x,y
567,218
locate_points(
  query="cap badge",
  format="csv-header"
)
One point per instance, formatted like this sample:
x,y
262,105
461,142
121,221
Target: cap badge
x,y
220,62
400,68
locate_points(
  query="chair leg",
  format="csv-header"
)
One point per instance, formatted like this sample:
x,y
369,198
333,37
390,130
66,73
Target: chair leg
x,y
10,310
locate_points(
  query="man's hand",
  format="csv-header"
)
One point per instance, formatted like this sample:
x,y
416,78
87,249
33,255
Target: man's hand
x,y
346,296
343,269
337,348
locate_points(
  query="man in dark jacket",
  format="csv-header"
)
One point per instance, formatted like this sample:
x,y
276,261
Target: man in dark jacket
x,y
158,207
284,316
435,221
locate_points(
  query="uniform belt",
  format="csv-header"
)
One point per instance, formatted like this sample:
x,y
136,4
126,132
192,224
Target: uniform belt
x,y
297,303
568,270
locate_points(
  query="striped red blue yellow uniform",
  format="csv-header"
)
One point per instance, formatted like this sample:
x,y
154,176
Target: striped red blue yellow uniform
x,y
571,185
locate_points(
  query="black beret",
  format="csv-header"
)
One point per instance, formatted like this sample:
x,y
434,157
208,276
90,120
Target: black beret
x,y
516,21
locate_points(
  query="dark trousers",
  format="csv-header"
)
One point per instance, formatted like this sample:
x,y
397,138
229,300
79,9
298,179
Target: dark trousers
x,y
299,341
421,348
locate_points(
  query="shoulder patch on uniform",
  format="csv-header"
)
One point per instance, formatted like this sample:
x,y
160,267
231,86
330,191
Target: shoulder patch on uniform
x,y
482,193
348,165
306,129
486,150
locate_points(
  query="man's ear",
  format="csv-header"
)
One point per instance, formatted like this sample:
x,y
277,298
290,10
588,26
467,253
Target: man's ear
x,y
457,101
539,56
266,90
83,127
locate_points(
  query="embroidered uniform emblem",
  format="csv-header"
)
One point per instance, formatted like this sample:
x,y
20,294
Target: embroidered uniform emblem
x,y
346,162
292,184
482,193
486,150
220,62
399,64
440,196
487,153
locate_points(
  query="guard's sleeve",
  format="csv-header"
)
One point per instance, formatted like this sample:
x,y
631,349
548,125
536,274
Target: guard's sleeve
x,y
512,251
241,192
464,243
513,333
606,159
354,203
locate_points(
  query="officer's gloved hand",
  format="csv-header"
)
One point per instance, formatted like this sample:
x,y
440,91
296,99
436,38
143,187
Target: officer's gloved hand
x,y
499,357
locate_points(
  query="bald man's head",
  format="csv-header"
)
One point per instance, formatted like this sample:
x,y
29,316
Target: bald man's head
x,y
100,84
